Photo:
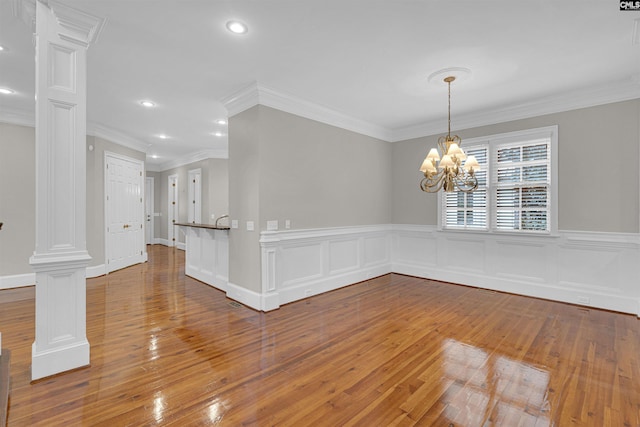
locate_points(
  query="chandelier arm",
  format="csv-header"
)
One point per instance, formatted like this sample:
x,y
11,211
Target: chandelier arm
x,y
467,183
432,184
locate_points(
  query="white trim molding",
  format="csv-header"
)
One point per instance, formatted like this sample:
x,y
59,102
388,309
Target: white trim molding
x,y
593,269
584,268
297,264
186,160
29,279
258,94
17,280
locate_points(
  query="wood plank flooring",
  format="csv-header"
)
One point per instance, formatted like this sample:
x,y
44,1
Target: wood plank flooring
x,y
393,351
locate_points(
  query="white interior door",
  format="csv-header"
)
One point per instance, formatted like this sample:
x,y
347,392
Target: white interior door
x,y
124,211
148,208
172,210
195,196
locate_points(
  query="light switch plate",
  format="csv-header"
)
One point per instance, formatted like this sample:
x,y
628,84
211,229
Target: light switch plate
x,y
250,226
234,223
272,225
287,224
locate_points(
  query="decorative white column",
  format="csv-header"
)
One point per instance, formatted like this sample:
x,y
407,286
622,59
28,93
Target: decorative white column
x,y
62,36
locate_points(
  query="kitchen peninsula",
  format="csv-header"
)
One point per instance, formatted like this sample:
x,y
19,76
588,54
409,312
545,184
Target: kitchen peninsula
x,y
207,253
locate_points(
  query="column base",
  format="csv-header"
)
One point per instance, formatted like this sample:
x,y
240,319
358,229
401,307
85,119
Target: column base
x,y
56,360
61,341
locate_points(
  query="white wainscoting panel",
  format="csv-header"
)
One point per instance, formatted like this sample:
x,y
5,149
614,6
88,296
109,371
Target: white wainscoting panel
x,y
297,264
207,255
519,259
300,263
592,269
344,255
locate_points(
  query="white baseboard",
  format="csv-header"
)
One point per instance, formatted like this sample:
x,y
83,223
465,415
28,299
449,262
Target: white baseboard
x,y
17,280
245,296
96,271
165,242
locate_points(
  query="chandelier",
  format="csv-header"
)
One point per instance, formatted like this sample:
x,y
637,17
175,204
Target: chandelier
x,y
448,173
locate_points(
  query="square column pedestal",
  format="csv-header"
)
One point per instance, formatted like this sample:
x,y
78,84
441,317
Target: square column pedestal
x,y
61,343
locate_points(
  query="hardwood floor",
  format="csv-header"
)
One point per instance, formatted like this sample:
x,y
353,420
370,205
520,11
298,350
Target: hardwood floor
x,y
396,350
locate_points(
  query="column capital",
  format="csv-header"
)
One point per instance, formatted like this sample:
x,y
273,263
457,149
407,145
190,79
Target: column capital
x,y
75,25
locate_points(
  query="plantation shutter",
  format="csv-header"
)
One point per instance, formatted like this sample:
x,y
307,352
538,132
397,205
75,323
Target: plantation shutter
x,y
468,210
521,181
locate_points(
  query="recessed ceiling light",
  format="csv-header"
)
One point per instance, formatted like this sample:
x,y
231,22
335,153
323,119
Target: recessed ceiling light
x,y
2,48
218,134
163,136
5,91
221,121
154,156
148,104
237,27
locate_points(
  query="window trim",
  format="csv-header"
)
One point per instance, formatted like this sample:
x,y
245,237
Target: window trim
x,y
494,141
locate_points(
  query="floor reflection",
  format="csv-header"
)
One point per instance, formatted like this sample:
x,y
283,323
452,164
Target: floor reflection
x,y
492,389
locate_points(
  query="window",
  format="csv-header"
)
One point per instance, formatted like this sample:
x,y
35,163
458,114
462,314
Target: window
x,y
516,186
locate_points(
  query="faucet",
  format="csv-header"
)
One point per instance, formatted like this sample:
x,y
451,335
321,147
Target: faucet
x,y
219,218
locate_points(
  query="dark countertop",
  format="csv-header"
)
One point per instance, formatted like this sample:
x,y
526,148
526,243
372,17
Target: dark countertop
x,y
196,225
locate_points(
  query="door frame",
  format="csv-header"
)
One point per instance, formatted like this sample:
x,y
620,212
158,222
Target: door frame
x,y
149,182
194,197
143,246
172,193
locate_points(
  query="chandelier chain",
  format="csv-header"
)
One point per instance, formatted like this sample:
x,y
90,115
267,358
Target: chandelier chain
x,y
449,98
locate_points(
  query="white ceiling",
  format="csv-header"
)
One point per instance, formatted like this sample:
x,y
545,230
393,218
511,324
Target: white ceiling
x,y
367,61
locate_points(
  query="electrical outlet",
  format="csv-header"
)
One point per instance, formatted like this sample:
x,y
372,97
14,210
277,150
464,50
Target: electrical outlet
x,y
272,225
234,223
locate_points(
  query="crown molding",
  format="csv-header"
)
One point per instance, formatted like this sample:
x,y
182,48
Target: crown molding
x,y
574,100
116,137
255,94
188,159
17,117
241,100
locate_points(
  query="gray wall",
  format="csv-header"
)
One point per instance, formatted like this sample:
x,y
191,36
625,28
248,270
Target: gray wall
x,y
598,183
318,175
284,166
244,184
17,198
